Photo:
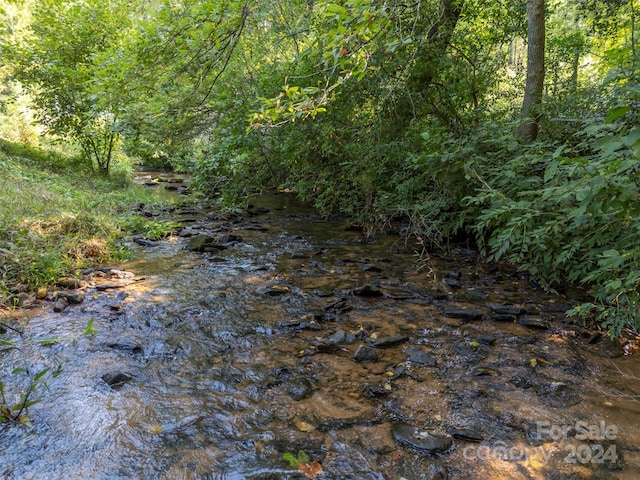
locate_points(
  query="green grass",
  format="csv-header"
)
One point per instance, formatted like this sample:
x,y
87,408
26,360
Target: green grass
x,y
57,217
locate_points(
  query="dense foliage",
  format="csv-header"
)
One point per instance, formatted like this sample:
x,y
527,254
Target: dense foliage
x,y
376,109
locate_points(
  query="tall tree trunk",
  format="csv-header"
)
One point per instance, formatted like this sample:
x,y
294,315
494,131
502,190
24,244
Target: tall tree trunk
x,y
528,128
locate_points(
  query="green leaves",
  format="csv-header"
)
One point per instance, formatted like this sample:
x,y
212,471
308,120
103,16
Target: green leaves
x,y
579,223
616,113
89,330
61,64
296,461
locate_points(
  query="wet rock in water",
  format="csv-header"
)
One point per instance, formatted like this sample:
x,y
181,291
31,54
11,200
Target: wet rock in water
x,y
116,273
116,380
486,339
503,317
558,395
594,338
365,354
399,371
274,290
41,293
339,306
111,285
485,372
69,282
333,411
230,238
453,280
556,307
75,297
463,313
465,434
342,338
533,323
521,382
375,390
129,347
399,294
610,348
255,228
324,345
419,440
182,424
60,305
386,342
506,310
367,291
278,375
420,357
145,242
367,267
204,243
300,388
301,325
257,210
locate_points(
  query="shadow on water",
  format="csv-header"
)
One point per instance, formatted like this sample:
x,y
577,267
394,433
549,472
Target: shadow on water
x,y
300,334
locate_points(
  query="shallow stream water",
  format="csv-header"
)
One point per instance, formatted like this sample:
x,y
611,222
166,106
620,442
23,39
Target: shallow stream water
x,y
230,358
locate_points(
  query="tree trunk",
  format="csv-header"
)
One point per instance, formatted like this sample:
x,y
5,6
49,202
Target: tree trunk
x,y
528,128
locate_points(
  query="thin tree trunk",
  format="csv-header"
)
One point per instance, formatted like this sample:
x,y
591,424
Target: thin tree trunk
x,y
528,129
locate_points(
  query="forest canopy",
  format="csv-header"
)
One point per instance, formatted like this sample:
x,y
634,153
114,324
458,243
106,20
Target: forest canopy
x,y
509,125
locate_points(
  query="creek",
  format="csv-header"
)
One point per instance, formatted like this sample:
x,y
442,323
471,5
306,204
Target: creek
x,y
276,330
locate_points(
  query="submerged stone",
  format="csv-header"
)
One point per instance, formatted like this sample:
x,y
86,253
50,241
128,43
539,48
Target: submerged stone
x,y
365,354
419,440
558,395
386,342
60,305
535,323
230,238
375,390
463,313
146,242
367,291
75,297
116,380
420,357
299,389
69,282
324,345
341,338
204,243
465,434
274,290
506,309
125,347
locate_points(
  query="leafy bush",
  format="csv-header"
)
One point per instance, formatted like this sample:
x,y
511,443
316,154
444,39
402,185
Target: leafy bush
x,y
571,214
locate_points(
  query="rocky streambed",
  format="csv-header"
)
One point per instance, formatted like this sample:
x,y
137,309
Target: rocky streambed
x,y
252,337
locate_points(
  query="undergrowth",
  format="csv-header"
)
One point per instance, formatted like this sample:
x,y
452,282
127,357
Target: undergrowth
x,y
56,217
